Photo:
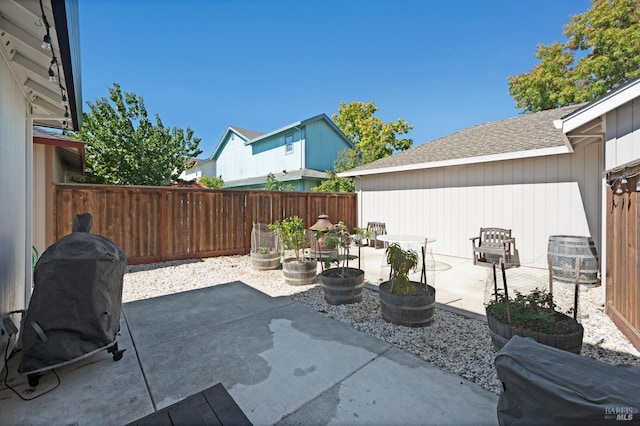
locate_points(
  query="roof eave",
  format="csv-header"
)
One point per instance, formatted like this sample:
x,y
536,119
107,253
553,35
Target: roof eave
x,y
560,149
66,18
297,124
599,107
220,143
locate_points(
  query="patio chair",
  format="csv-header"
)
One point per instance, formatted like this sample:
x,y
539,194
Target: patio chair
x,y
495,246
376,228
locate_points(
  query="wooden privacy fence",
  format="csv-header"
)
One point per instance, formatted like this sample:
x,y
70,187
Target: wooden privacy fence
x,y
155,224
623,283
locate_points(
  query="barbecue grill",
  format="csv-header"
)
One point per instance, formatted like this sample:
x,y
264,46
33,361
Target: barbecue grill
x,y
76,303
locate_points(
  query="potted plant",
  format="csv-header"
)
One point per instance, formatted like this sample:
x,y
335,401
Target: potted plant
x,y
292,234
402,301
532,315
265,248
341,284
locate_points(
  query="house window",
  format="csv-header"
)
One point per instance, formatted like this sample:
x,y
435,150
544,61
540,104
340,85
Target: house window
x,y
288,144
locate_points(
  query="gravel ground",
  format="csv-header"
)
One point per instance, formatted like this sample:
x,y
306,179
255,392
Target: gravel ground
x,y
453,342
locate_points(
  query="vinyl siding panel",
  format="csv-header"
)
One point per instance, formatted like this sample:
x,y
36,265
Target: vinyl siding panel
x,y
13,196
239,161
623,135
535,197
235,160
323,145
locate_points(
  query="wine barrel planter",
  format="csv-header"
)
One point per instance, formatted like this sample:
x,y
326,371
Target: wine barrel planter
x,y
299,273
340,290
502,332
563,251
411,311
265,261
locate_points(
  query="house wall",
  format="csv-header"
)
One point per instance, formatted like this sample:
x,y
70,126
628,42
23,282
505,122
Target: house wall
x,y
535,197
623,135
204,168
238,161
14,160
323,146
48,168
41,183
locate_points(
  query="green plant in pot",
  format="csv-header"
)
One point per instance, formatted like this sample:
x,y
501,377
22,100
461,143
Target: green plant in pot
x,y
402,301
341,284
532,315
293,236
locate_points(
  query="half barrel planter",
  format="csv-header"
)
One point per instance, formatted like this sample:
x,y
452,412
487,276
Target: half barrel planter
x,y
501,333
299,273
411,311
265,261
564,250
342,290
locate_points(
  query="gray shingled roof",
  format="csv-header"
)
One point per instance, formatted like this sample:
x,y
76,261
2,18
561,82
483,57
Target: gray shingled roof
x,y
249,134
522,133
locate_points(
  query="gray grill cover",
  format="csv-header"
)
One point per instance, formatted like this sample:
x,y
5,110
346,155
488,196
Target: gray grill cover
x,y
548,386
77,300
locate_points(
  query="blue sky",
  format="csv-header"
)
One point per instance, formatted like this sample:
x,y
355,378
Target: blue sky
x,y
263,64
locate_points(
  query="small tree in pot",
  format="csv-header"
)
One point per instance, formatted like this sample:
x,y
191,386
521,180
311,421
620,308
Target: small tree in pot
x,y
292,234
342,284
402,301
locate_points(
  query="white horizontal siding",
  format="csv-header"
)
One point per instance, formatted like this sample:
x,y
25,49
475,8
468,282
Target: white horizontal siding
x,y
535,197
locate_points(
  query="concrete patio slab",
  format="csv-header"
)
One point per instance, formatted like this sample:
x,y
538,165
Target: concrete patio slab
x,y
399,389
281,361
92,391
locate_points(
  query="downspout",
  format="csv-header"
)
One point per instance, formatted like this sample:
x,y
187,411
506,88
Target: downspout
x,y
28,272
302,158
359,192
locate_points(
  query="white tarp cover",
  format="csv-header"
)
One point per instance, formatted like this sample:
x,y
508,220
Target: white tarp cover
x,y
548,386
77,300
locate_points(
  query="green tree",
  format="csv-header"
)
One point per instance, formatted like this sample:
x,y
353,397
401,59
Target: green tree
x,y
372,139
123,147
273,184
602,52
212,182
333,183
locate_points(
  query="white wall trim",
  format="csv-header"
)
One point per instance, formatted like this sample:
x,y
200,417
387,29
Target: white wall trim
x,y
600,107
463,161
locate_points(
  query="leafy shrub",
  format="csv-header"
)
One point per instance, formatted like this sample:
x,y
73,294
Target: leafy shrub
x,y
534,311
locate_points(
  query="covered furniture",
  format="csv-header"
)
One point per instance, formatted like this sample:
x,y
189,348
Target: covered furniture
x,y
376,228
548,386
495,246
76,304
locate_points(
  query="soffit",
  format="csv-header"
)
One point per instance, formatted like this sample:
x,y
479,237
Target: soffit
x,y
22,30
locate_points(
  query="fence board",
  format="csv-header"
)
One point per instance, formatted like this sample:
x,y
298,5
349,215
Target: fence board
x,y
153,224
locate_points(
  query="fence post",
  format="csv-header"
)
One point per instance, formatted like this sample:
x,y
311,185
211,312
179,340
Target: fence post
x,y
164,226
248,221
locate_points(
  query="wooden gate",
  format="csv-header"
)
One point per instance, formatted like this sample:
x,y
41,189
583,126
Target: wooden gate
x,y
623,264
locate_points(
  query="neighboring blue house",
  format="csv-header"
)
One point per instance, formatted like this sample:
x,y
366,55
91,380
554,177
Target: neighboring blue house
x,y
298,154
